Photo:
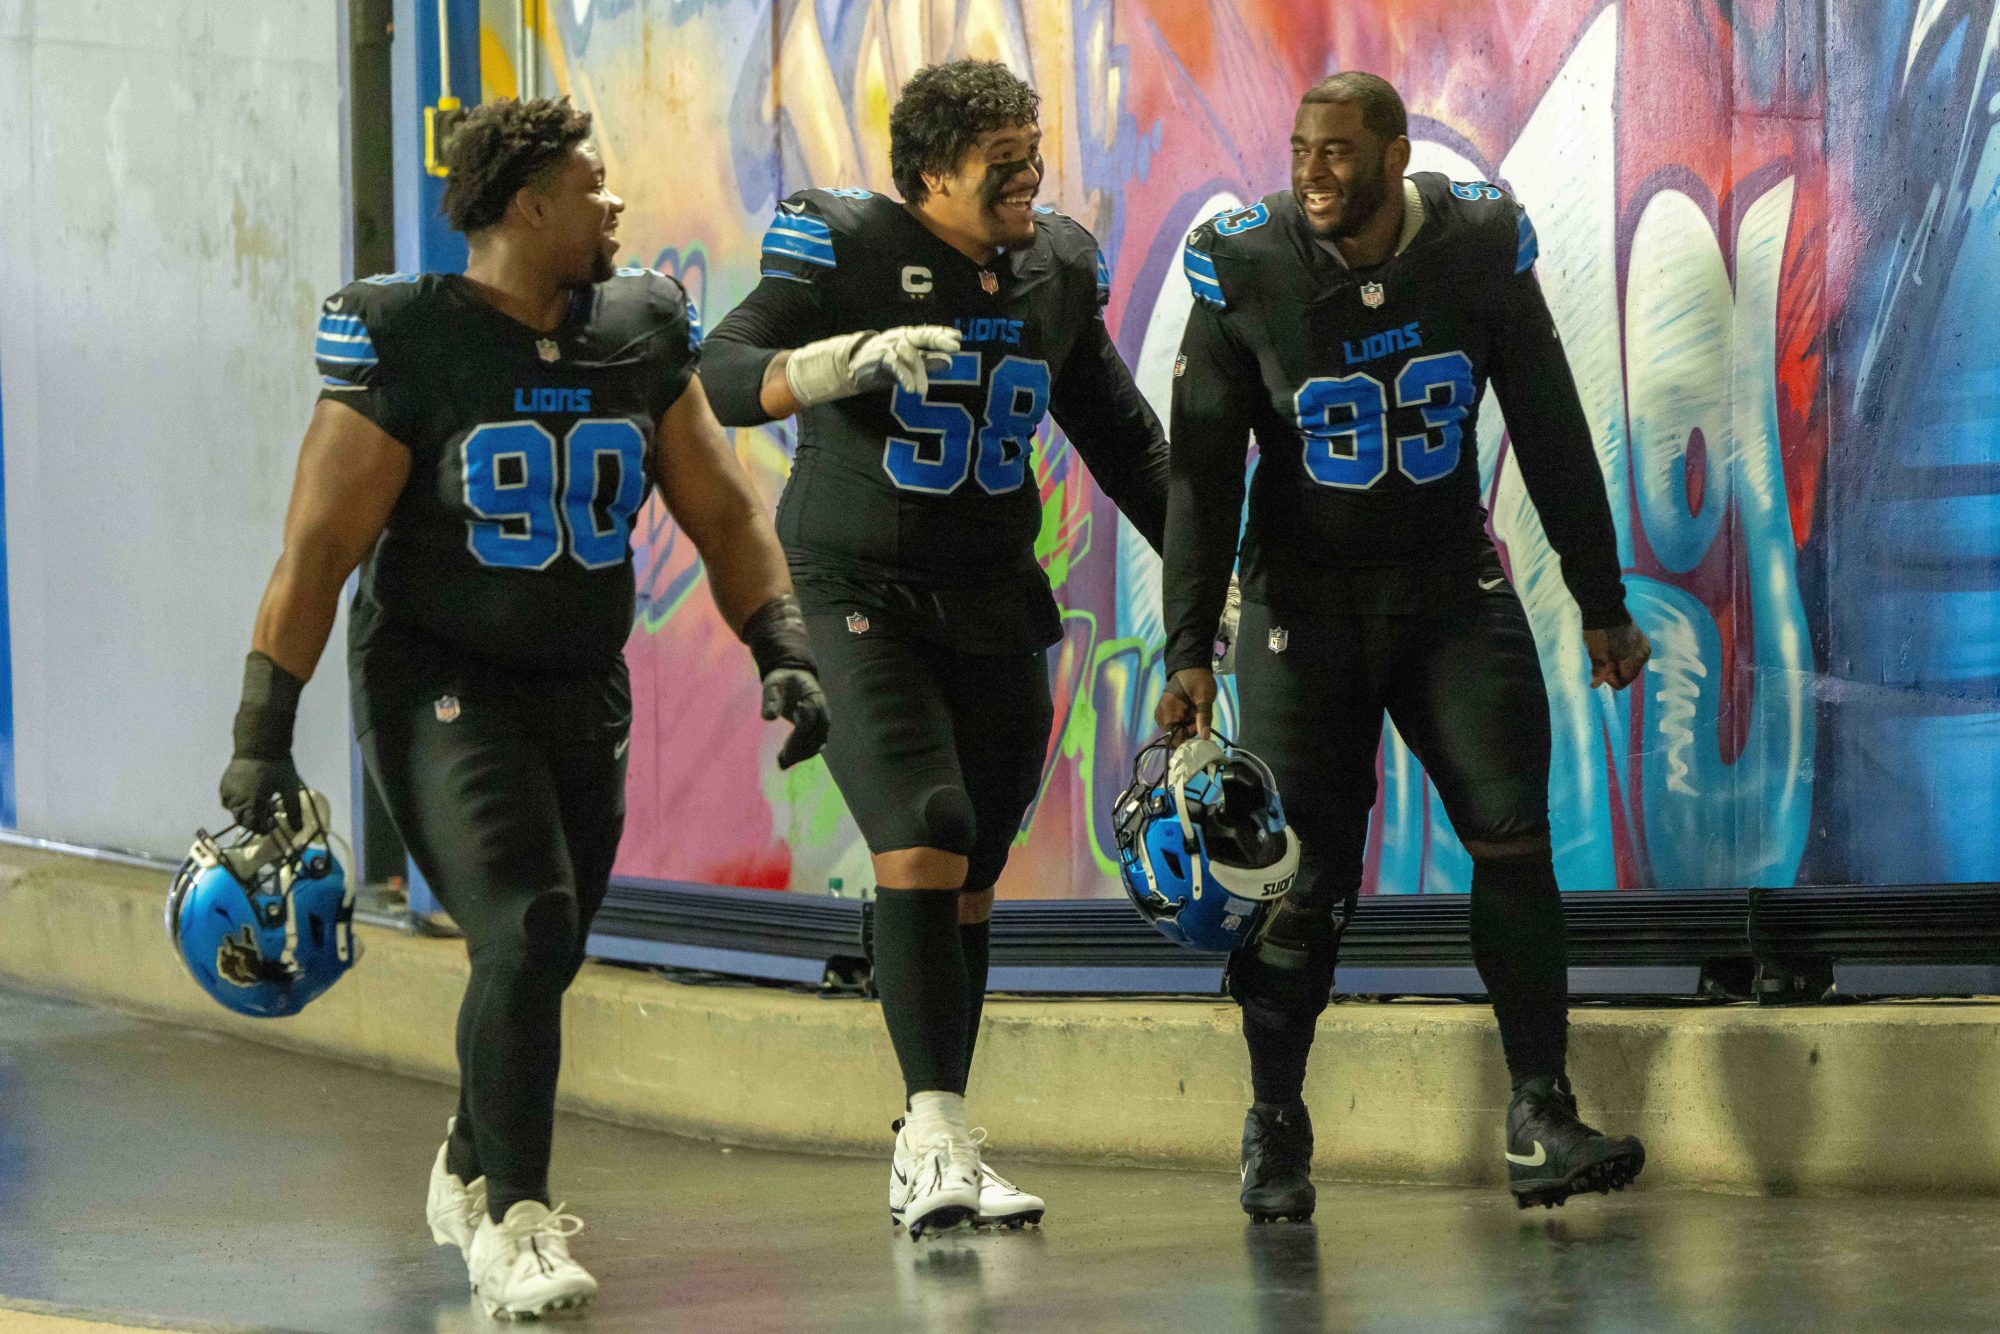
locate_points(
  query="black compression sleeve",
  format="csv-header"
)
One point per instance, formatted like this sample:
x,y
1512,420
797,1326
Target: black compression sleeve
x,y
781,313
1114,430
1211,435
1552,440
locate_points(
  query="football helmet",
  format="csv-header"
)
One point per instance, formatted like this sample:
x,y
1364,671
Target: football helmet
x,y
1203,847
264,922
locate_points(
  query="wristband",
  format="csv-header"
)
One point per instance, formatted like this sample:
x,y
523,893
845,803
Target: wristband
x,y
776,634
268,710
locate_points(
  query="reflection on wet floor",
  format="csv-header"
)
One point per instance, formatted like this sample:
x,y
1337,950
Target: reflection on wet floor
x,y
175,1176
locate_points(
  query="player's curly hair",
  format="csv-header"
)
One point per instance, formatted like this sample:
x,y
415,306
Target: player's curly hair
x,y
944,109
1381,105
500,147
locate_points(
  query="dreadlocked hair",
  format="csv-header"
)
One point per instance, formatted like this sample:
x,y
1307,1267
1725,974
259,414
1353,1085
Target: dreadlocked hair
x,y
942,112
500,147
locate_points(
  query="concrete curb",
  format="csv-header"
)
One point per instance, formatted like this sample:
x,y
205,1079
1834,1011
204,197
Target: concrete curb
x,y
1877,1098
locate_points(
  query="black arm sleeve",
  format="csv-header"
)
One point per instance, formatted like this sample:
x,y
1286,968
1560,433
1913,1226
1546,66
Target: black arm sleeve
x,y
1558,460
1114,430
781,313
1214,399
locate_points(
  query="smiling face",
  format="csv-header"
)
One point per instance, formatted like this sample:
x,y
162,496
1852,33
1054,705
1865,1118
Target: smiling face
x,y
989,194
579,219
1342,170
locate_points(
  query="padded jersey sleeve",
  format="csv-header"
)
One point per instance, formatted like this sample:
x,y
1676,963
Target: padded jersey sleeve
x,y
675,338
1214,403
355,347
788,308
1552,439
1099,407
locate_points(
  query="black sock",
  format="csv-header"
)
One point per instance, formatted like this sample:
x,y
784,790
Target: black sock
x,y
1522,952
920,975
1277,1060
461,1157
974,940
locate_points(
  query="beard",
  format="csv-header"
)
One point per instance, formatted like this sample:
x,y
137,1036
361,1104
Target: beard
x,y
1364,200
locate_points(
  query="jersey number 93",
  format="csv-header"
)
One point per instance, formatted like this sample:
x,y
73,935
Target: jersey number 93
x,y
1344,421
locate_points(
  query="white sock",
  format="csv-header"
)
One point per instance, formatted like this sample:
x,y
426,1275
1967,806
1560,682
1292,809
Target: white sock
x,y
931,1112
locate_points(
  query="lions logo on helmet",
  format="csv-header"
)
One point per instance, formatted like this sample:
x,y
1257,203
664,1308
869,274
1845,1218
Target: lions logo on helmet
x,y
265,924
1203,847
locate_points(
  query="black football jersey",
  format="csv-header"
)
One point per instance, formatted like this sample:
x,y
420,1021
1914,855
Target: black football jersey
x,y
1363,390
510,546
937,489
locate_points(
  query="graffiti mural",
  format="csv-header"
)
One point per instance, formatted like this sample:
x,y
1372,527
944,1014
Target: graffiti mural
x,y
1768,229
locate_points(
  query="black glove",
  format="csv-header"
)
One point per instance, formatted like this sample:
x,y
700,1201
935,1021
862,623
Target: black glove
x,y
776,634
261,776
792,693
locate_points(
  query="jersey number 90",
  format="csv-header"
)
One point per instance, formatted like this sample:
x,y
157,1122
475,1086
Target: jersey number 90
x,y
534,497
1344,421
995,452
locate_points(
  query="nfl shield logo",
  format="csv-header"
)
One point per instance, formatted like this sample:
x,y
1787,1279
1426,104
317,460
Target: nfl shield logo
x,y
988,282
1281,639
446,708
1372,295
548,351
1180,365
857,624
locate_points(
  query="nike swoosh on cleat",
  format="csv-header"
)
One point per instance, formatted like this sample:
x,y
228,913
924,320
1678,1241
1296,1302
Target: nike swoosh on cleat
x,y
1536,1159
1488,585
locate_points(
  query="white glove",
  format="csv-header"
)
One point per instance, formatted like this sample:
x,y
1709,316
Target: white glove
x,y
1225,633
856,363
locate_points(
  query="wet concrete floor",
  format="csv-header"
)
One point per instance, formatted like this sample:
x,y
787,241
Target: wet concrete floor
x,y
177,1179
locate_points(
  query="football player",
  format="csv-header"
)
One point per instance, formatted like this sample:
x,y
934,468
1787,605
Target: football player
x,y
921,341
480,447
1353,322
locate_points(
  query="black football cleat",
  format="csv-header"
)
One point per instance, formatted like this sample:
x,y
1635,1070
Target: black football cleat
x,y
1277,1162
1552,1155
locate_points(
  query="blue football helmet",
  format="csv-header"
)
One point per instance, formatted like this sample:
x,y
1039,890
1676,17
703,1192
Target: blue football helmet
x,y
265,923
1203,847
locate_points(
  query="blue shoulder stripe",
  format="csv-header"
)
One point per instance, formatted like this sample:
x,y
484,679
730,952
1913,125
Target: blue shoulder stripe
x,y
342,340
1103,279
694,326
800,236
1200,269
1526,248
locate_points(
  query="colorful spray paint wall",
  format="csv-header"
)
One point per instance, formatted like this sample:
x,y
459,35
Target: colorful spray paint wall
x,y
1767,230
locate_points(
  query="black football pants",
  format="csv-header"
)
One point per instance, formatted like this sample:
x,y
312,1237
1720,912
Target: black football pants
x,y
932,747
512,806
1464,686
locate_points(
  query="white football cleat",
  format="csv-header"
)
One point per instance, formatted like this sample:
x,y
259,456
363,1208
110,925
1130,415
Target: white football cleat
x,y
933,1184
1001,1202
453,1208
521,1266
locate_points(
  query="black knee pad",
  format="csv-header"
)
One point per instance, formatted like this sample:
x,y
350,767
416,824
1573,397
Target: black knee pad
x,y
548,949
1520,833
1286,998
946,820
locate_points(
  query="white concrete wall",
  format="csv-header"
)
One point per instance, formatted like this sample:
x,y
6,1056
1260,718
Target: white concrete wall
x,y
170,214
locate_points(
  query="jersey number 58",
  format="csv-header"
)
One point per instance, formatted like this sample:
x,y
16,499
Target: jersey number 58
x,y
1016,398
